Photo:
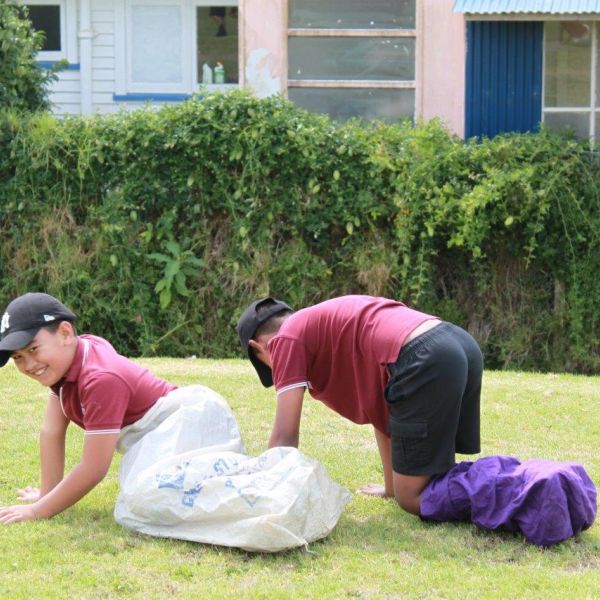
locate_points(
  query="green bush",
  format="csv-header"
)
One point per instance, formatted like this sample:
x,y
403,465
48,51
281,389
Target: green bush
x,y
159,226
23,84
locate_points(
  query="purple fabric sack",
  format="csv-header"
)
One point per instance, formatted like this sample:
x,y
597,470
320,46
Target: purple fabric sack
x,y
547,501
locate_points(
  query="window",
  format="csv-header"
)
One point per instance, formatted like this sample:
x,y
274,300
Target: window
x,y
47,19
571,73
353,58
156,47
217,44
49,16
166,48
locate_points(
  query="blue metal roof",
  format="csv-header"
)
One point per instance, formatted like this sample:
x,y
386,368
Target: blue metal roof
x,y
556,7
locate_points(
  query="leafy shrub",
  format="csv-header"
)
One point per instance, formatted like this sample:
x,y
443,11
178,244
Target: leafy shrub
x,y
159,226
23,84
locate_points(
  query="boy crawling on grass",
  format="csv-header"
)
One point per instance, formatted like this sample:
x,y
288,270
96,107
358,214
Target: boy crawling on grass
x,y
184,473
417,381
81,371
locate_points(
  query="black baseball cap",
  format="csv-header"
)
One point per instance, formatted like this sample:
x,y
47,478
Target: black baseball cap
x,y
249,323
24,317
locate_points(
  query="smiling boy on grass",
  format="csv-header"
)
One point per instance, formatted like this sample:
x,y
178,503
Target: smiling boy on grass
x,y
90,385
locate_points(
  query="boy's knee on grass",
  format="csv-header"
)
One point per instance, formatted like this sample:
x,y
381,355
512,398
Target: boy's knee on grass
x,y
408,490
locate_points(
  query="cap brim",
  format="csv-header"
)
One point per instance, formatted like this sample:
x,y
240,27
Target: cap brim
x,y
15,341
264,371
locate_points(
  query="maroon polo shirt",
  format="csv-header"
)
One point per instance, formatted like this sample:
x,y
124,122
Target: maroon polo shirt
x,y
104,391
340,349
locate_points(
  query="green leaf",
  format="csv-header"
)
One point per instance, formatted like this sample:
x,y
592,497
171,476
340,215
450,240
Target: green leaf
x,y
173,247
172,268
197,262
165,298
159,257
180,286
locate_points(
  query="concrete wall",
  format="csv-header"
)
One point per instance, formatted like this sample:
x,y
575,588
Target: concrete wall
x,y
441,68
264,46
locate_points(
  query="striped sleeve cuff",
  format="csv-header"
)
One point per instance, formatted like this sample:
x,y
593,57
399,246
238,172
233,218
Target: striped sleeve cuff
x,y
102,431
302,384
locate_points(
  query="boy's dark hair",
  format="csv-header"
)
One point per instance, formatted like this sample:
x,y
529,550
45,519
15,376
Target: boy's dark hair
x,y
53,327
273,322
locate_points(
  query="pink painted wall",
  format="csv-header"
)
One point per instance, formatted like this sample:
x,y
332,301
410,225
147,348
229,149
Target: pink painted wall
x,y
441,65
441,53
264,46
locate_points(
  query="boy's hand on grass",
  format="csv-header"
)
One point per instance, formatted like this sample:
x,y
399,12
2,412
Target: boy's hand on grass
x,y
28,494
373,489
17,513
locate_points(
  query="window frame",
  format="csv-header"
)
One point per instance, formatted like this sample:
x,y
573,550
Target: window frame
x,y
68,31
197,82
356,33
593,108
125,86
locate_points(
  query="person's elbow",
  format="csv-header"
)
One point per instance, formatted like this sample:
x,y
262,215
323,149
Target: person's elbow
x,y
95,472
97,475
52,432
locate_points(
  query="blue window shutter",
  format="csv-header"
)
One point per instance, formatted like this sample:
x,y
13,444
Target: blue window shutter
x,y
504,77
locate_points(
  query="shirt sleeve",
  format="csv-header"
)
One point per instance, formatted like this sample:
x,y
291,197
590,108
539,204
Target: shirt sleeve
x,y
290,363
104,402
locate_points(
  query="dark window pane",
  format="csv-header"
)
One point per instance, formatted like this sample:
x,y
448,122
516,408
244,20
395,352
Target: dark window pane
x,y
217,40
352,14
47,19
351,58
341,104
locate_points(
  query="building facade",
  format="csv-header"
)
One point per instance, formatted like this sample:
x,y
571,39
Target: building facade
x,y
481,66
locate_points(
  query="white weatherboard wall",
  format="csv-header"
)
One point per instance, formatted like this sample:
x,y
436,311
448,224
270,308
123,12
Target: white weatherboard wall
x,y
103,56
106,66
65,93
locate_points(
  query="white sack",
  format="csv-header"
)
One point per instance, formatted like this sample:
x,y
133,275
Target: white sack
x,y
184,474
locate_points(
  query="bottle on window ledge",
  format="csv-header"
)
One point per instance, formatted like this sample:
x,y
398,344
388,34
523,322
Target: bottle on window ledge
x,y
207,74
219,73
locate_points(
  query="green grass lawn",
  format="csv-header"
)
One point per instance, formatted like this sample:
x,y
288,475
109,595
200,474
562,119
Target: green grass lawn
x,y
376,550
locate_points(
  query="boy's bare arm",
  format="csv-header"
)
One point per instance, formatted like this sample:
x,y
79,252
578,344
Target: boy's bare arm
x,y
52,446
286,429
385,452
98,451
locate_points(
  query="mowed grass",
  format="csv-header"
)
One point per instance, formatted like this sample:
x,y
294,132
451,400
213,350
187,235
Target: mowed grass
x,y
376,550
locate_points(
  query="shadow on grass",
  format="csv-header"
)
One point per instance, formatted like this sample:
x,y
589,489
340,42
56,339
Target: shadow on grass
x,y
389,533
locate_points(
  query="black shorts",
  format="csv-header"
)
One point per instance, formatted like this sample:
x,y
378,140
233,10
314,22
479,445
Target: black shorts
x,y
433,400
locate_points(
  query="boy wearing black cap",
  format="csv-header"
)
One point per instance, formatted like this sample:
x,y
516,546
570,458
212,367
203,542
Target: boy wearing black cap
x,y
416,379
90,384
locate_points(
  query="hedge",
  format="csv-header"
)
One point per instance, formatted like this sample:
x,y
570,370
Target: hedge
x,y
158,226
